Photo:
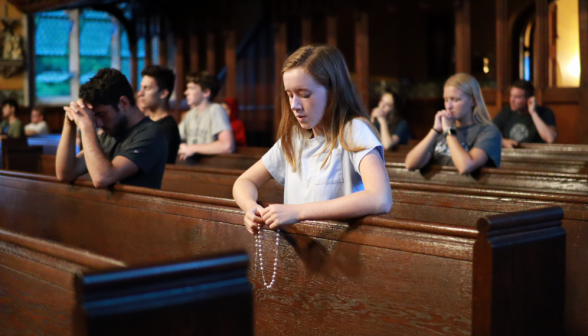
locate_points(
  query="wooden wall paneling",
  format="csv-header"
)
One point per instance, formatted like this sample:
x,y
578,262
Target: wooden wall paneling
x,y
502,42
541,53
280,53
231,63
463,37
583,15
332,30
362,71
306,26
194,49
163,29
210,53
180,72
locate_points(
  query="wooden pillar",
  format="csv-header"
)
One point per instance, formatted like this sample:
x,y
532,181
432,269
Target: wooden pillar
x,y
134,65
463,39
31,88
194,50
541,66
180,71
362,56
502,41
583,7
148,44
280,51
306,31
74,53
210,54
162,42
552,24
332,30
231,63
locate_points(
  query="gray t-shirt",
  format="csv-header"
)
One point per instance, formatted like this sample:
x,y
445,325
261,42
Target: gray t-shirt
x,y
339,177
204,128
484,137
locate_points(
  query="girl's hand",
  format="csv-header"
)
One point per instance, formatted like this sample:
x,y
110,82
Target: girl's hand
x,y
280,214
438,123
253,220
447,120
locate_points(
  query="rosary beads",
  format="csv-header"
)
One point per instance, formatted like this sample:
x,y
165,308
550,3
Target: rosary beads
x,y
259,237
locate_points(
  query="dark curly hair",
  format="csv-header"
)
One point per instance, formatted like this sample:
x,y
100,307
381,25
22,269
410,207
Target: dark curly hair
x,y
163,76
525,86
10,102
106,88
206,82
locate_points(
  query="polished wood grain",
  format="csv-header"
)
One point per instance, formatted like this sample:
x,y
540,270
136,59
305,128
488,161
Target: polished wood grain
x,y
371,276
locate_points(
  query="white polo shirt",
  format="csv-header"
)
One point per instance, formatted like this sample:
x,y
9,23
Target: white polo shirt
x,y
339,177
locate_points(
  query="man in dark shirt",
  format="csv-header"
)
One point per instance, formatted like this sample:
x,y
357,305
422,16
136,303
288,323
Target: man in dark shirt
x,y
157,86
524,121
132,150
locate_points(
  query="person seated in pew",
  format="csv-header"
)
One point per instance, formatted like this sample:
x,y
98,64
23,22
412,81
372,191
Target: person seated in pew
x,y
463,134
206,129
524,121
38,126
230,105
393,129
328,158
157,86
132,150
11,126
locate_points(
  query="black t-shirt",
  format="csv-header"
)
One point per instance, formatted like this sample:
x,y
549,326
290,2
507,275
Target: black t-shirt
x,y
146,146
521,128
172,133
401,130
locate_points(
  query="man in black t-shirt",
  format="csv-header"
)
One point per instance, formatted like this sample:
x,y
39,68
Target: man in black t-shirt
x,y
132,150
157,86
524,121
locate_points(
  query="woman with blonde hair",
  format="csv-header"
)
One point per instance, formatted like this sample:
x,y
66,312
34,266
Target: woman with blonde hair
x,y
328,157
463,134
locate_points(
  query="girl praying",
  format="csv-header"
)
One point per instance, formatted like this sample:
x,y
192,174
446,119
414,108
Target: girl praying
x,y
463,134
328,156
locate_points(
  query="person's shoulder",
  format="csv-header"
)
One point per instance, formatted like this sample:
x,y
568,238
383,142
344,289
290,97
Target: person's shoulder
x,y
167,121
216,108
359,125
542,110
489,129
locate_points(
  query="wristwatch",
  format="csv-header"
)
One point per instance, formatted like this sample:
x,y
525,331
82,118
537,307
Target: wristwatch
x,y
450,131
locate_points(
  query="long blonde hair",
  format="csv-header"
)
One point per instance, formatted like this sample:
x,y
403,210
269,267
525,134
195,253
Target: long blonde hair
x,y
469,85
326,65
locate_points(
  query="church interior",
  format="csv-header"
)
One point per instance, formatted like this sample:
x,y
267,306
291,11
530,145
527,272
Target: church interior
x,y
499,248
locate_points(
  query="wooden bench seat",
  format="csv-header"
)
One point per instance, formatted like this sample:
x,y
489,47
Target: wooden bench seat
x,y
37,283
374,275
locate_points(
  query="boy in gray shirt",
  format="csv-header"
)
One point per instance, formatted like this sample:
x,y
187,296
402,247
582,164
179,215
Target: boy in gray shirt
x,y
206,129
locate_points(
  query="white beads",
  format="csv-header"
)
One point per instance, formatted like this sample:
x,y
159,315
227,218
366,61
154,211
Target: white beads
x,y
258,255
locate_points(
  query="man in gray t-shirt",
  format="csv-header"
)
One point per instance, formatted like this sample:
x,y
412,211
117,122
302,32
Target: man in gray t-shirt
x,y
206,129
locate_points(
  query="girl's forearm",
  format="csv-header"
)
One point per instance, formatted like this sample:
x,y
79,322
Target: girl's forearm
x,y
245,194
354,205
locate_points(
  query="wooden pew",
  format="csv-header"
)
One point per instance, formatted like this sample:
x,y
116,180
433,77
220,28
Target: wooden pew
x,y
420,202
37,283
374,275
194,297
52,289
